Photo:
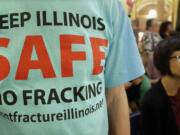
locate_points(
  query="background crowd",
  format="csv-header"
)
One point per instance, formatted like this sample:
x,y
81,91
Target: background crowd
x,y
154,98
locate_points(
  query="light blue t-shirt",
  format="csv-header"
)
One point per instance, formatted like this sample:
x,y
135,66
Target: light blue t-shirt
x,y
56,59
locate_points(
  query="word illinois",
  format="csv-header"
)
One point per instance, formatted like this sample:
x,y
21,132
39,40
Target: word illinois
x,y
44,63
67,114
54,18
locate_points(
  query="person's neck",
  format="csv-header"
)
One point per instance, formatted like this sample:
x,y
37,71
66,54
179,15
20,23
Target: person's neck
x,y
153,32
171,85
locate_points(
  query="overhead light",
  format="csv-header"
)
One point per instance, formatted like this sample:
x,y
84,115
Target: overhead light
x,y
152,14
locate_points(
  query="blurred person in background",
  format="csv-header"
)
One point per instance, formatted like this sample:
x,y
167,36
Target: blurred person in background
x,y
151,37
161,105
137,88
39,43
134,24
165,29
152,72
149,41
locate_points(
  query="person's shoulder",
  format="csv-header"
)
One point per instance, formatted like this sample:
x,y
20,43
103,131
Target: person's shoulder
x,y
153,96
146,81
110,6
145,77
116,4
147,33
155,91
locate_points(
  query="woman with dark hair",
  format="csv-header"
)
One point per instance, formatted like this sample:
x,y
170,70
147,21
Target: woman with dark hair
x,y
165,29
161,105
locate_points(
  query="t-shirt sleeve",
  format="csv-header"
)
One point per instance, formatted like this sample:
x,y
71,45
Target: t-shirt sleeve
x,y
123,62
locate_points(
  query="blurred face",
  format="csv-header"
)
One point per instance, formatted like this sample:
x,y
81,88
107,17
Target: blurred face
x,y
170,28
155,26
175,64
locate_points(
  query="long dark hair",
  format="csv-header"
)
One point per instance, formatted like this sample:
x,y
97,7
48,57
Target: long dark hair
x,y
164,28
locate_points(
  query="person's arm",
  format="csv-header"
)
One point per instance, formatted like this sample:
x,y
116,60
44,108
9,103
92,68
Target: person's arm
x,y
118,112
128,84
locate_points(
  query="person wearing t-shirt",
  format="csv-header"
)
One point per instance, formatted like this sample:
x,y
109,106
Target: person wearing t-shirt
x,y
63,64
160,108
